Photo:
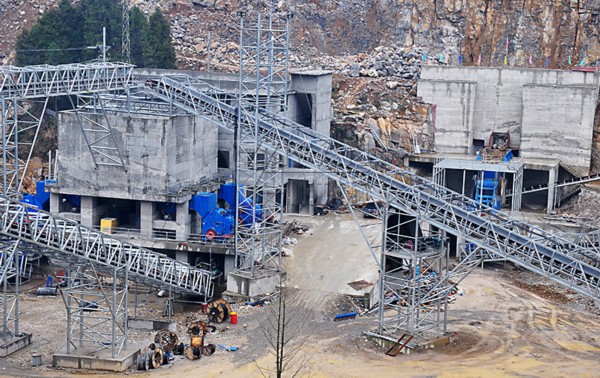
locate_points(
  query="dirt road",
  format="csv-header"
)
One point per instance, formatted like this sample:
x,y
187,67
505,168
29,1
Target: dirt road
x,y
507,323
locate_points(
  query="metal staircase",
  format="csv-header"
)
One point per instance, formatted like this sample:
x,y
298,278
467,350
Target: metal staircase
x,y
517,241
69,241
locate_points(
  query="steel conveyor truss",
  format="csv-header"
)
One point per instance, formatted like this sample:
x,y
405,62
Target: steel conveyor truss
x,y
525,245
70,241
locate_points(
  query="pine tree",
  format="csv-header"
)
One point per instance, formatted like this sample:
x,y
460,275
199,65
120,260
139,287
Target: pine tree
x,y
158,50
138,28
56,29
62,34
98,14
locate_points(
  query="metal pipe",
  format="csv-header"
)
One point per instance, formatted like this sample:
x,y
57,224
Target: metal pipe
x,y
5,310
67,277
43,291
126,301
114,314
382,262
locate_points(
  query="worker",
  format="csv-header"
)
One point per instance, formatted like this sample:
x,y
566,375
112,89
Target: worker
x,y
49,281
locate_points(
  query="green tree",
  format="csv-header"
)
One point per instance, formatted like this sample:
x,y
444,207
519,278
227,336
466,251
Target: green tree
x,y
158,49
98,14
63,35
53,38
138,28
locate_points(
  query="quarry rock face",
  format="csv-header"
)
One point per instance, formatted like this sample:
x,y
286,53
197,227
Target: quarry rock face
x,y
376,48
537,28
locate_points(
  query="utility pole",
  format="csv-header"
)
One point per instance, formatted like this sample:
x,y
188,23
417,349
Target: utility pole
x,y
125,39
104,45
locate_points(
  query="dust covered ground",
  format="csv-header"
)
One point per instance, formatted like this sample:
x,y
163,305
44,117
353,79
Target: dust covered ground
x,y
508,322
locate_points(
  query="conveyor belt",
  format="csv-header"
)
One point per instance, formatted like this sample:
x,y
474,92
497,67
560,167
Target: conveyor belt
x,y
70,241
525,245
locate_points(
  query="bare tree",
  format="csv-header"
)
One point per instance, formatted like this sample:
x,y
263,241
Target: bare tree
x,y
285,325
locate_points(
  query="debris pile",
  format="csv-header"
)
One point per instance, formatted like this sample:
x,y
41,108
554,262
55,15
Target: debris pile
x,y
383,61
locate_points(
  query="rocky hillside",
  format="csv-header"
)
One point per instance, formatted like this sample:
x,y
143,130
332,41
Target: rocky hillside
x,y
323,28
373,46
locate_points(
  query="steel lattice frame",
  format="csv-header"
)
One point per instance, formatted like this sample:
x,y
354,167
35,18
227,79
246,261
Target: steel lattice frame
x,y
21,122
97,131
9,279
416,275
263,84
528,246
96,309
18,84
125,35
67,239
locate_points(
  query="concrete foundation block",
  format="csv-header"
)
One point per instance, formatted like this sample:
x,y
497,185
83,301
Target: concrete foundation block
x,y
85,358
151,324
14,344
243,284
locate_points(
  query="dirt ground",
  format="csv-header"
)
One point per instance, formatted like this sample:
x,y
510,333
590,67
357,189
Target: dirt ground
x,y
508,322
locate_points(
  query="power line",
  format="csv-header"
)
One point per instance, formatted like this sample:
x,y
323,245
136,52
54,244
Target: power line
x,y
65,49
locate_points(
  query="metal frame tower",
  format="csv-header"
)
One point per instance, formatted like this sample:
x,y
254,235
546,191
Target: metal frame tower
x,y
96,309
21,121
9,279
263,86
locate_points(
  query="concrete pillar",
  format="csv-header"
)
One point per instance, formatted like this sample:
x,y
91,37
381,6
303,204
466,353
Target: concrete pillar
x,y
54,203
311,199
181,256
183,221
88,211
552,173
229,264
291,191
320,187
146,218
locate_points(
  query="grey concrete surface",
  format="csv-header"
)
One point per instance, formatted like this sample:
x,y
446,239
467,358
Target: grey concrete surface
x,y
454,107
558,121
538,107
161,156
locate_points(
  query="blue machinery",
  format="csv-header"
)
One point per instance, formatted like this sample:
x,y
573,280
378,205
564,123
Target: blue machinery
x,y
489,184
219,222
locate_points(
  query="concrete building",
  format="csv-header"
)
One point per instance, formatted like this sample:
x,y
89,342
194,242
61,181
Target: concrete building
x,y
547,116
166,159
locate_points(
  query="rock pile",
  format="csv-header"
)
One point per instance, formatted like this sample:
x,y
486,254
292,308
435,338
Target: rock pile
x,y
383,61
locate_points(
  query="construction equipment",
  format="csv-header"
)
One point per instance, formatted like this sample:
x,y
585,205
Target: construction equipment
x,y
218,211
218,311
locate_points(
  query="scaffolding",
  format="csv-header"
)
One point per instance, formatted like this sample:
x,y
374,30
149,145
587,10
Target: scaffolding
x,y
96,308
263,85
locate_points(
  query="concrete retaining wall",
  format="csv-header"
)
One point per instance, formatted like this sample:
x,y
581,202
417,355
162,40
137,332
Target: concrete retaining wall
x,y
520,101
559,122
454,107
